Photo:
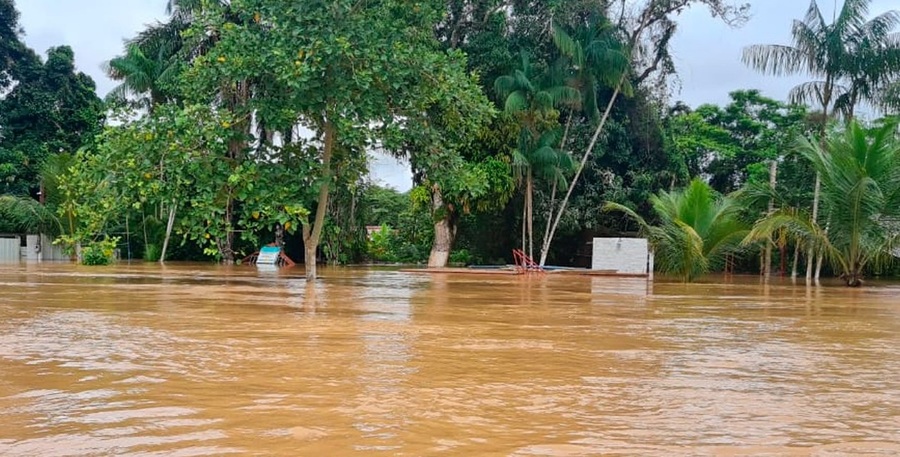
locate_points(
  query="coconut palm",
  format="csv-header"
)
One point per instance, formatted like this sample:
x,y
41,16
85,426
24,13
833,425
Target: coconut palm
x,y
532,97
851,50
837,55
697,229
860,173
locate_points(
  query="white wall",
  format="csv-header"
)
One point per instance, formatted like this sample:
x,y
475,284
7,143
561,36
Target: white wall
x,y
10,249
621,255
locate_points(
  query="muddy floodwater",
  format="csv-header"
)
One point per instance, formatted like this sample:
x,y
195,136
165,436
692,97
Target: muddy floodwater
x,y
199,360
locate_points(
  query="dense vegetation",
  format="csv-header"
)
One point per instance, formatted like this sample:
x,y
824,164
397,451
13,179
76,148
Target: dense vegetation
x,y
247,122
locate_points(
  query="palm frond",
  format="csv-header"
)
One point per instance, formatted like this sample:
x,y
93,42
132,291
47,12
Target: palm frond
x,y
26,215
774,59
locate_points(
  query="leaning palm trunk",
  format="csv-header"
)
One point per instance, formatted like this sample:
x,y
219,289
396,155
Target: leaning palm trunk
x,y
529,209
545,242
169,224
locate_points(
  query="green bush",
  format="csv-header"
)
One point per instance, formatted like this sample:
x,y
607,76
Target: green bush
x,y
99,252
462,256
382,244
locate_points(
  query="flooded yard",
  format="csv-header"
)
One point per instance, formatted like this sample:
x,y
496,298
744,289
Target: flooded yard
x,y
197,360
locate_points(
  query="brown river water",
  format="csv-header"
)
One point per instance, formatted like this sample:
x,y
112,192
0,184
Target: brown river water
x,y
198,360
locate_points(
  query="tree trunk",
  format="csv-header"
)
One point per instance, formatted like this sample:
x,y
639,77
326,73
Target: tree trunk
x,y
820,257
545,243
524,230
796,261
767,256
171,222
226,244
311,235
529,208
584,159
815,214
853,279
782,252
444,232
826,100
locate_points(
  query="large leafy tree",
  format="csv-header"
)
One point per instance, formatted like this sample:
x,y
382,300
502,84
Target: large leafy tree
x,y
52,109
348,74
14,55
731,145
860,174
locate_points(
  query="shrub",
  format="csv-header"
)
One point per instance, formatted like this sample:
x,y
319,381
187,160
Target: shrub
x,y
381,245
99,252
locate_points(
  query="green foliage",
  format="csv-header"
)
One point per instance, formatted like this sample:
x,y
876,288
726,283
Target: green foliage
x,y
148,74
696,230
16,59
383,205
733,144
99,252
860,173
26,215
176,156
461,257
52,109
381,246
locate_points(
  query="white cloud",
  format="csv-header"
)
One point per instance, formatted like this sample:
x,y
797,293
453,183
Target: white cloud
x,y
95,29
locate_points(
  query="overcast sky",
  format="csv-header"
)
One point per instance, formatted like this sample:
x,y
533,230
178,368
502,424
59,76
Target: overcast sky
x,y
707,53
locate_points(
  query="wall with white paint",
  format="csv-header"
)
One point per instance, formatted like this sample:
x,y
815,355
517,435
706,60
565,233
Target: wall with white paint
x,y
622,255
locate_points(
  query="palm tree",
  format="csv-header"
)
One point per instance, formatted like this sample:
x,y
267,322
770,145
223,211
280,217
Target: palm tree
x,y
874,68
533,96
860,173
145,75
838,55
697,230
592,50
